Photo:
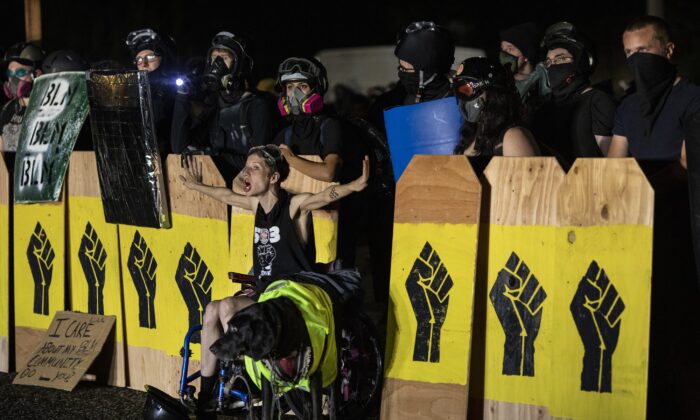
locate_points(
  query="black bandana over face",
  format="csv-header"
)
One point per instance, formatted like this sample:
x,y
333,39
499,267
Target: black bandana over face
x,y
654,76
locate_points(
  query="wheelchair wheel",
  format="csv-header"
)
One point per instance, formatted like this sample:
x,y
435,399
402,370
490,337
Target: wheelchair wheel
x,y
361,369
360,374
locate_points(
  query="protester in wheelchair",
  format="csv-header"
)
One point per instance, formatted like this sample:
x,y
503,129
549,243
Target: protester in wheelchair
x,y
281,242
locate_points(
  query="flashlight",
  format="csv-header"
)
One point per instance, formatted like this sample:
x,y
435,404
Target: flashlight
x,y
179,82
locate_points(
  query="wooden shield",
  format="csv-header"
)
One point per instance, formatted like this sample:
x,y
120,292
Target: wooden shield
x,y
511,361
95,281
431,290
602,306
169,275
39,271
4,266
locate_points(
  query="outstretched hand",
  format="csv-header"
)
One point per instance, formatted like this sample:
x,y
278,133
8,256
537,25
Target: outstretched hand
x,y
361,183
193,171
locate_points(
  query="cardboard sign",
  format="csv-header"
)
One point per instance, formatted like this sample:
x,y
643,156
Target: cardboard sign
x,y
53,119
67,350
432,290
95,282
4,266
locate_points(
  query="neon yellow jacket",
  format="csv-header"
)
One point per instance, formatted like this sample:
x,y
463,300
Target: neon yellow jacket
x,y
317,309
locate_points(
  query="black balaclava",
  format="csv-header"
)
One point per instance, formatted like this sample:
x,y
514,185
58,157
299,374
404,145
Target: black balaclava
x,y
431,52
526,38
654,76
568,79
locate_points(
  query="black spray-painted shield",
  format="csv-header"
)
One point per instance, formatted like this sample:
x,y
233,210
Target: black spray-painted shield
x,y
128,163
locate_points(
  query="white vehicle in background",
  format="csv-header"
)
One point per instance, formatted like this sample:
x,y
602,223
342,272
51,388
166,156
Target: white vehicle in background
x,y
364,68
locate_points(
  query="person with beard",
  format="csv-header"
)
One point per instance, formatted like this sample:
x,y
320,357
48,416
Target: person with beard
x,y
490,105
217,112
22,64
155,53
425,53
578,120
649,122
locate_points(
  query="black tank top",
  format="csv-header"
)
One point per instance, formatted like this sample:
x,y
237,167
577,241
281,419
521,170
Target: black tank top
x,y
277,249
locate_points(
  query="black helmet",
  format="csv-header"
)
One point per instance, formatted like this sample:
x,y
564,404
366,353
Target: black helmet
x,y
161,406
148,39
310,69
427,46
564,35
238,46
478,73
25,53
63,60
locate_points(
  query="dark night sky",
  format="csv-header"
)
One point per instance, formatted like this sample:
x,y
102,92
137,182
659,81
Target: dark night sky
x,y
97,29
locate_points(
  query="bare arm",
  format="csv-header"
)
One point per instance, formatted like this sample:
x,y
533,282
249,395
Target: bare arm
x,y
684,161
519,141
336,192
618,147
603,143
323,171
193,181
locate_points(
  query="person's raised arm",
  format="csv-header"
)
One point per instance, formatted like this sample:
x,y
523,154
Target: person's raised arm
x,y
323,171
336,192
193,181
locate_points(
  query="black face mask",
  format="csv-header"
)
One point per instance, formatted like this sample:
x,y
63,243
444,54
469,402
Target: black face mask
x,y
564,81
654,76
436,87
508,60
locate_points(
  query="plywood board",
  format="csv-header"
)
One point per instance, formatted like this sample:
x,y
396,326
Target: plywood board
x,y
4,266
39,269
603,253
432,285
511,367
95,281
169,275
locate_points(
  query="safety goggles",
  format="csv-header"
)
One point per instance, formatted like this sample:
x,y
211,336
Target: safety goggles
x,y
145,59
422,25
142,35
19,73
297,68
269,159
467,88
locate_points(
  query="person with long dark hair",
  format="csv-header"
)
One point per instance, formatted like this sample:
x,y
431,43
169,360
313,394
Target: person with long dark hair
x,y
491,107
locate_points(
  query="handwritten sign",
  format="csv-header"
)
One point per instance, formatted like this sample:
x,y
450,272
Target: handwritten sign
x,y
56,112
69,347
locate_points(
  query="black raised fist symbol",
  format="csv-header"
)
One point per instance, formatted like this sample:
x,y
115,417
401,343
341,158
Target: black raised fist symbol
x,y
142,267
517,297
92,257
428,286
40,256
194,280
597,310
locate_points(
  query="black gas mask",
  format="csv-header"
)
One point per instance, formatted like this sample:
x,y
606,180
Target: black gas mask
x,y
217,75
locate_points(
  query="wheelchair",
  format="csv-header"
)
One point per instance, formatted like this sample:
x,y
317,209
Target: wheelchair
x,y
355,394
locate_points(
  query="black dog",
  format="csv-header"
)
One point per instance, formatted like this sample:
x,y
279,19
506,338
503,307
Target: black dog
x,y
271,329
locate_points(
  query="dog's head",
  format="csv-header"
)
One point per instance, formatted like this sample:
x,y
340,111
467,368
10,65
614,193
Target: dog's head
x,y
270,329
